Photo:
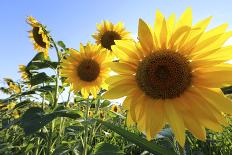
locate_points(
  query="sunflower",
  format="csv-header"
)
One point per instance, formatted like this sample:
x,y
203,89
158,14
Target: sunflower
x,y
115,108
39,36
107,33
24,72
173,75
86,70
101,115
90,114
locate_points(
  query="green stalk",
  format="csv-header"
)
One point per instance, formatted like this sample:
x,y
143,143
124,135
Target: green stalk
x,y
49,147
57,75
85,147
180,149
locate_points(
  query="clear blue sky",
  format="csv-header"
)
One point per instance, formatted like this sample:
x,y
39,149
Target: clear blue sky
x,y
73,21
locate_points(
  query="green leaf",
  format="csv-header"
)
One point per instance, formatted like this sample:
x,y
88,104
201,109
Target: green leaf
x,y
38,56
45,88
143,143
61,44
35,118
22,104
40,78
227,90
36,65
61,150
106,148
105,103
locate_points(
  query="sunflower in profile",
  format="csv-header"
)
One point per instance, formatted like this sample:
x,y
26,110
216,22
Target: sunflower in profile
x,y
86,70
107,33
115,108
39,36
24,72
173,75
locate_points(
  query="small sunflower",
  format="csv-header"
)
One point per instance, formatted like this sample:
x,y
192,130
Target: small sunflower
x,y
39,36
24,72
173,75
86,70
90,114
107,33
13,86
101,115
115,108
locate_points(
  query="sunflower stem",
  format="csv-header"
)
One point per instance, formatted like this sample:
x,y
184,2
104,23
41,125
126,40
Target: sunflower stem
x,y
57,74
180,149
85,147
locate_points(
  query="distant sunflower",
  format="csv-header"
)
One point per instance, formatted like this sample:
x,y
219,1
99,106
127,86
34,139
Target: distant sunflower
x,y
90,114
13,86
101,115
107,33
173,75
115,108
24,72
86,70
39,36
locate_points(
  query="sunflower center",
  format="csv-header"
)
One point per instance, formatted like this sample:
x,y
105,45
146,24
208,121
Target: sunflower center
x,y
115,109
38,37
88,70
164,75
108,38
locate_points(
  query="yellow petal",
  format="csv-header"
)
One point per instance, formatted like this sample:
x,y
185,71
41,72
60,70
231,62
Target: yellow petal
x,y
118,92
163,35
217,99
185,19
194,126
121,67
214,79
157,117
145,36
176,122
209,38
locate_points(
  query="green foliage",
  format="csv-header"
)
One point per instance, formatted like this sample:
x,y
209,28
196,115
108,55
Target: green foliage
x,y
106,148
153,148
35,118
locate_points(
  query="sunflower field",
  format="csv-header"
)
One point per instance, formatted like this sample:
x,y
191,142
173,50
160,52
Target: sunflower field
x,y
167,92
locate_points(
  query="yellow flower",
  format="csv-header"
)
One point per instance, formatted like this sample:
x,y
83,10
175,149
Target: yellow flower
x,y
101,115
174,75
24,72
86,70
9,106
115,108
39,36
107,33
90,114
16,114
14,87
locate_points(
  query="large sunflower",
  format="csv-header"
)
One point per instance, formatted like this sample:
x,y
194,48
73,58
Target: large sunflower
x,y
86,70
39,36
107,33
173,75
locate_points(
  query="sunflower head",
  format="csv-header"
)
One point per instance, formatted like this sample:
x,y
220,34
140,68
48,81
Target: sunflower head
x,y
115,108
90,114
173,75
13,86
39,36
101,115
86,70
24,72
16,114
107,33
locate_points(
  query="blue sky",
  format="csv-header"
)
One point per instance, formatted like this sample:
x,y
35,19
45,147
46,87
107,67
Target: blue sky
x,y
73,21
